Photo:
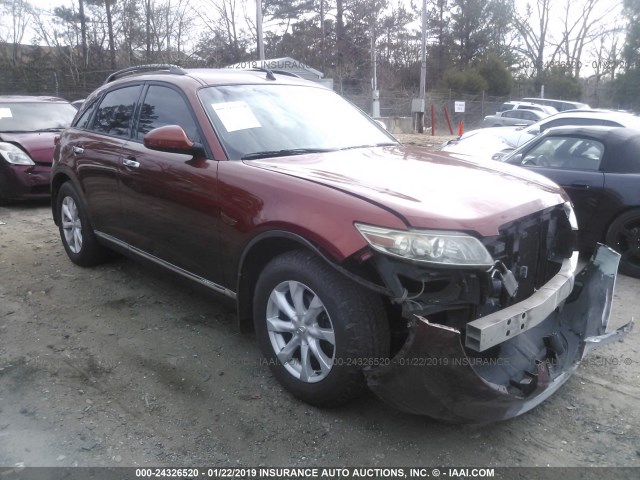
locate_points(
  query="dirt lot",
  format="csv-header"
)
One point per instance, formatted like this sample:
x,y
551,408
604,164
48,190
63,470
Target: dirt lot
x,y
121,365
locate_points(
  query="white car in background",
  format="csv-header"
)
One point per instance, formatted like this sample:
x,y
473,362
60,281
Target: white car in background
x,y
511,105
493,143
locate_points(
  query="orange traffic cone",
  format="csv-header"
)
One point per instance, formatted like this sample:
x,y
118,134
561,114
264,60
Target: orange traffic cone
x,y
461,128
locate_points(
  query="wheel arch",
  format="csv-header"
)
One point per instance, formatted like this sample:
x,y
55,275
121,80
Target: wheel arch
x,y
60,178
615,217
260,251
57,181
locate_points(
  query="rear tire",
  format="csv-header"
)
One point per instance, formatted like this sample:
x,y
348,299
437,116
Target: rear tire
x,y
318,329
76,232
624,237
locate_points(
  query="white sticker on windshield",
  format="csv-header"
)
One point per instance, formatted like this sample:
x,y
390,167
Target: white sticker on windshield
x,y
5,112
236,116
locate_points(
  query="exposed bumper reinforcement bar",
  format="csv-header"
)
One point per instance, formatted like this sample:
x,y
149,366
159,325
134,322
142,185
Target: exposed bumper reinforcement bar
x,y
433,374
493,329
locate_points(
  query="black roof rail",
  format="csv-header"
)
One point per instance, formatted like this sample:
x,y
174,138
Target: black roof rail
x,y
270,72
174,69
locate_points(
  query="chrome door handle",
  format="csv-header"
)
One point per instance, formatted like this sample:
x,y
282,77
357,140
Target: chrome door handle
x,y
78,150
130,163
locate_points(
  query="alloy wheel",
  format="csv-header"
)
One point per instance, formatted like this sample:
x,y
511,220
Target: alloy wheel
x,y
300,331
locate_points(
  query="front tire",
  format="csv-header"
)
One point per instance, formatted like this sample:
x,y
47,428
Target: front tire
x,y
76,232
624,237
317,329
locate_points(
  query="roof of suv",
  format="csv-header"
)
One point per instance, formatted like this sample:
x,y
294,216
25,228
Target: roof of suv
x,y
208,76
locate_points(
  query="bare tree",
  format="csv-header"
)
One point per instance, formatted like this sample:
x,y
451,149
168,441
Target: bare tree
x,y
226,20
533,27
167,27
20,15
580,30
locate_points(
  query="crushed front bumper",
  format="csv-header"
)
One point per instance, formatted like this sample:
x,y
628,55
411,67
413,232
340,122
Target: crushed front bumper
x,y
435,375
24,181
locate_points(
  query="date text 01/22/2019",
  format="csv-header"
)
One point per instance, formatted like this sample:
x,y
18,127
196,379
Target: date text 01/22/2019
x,y
597,65
329,473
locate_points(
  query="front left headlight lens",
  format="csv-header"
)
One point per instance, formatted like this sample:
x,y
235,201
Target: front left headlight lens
x,y
14,155
429,246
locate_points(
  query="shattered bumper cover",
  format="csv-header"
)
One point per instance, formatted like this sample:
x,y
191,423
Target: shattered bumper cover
x,y
434,375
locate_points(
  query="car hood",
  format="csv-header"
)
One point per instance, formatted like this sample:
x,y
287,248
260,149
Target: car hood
x,y
427,189
39,145
512,135
478,146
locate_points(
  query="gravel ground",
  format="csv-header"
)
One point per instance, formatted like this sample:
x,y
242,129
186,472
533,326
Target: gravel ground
x,y
123,365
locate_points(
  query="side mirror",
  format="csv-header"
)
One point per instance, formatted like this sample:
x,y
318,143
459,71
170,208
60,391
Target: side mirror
x,y
516,159
172,139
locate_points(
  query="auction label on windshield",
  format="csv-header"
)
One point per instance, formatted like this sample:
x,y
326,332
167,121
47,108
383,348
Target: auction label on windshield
x,y
5,112
235,116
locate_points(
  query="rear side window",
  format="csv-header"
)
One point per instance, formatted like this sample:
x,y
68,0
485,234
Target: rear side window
x,y
164,106
83,121
566,153
561,122
116,110
512,114
529,115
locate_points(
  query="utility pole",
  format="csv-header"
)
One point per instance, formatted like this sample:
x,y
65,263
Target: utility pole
x,y
375,94
423,68
259,30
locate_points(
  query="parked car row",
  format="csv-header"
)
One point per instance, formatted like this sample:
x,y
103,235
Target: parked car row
x,y
528,111
594,155
599,167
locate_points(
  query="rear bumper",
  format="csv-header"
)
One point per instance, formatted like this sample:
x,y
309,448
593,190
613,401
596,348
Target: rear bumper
x,y
24,181
435,375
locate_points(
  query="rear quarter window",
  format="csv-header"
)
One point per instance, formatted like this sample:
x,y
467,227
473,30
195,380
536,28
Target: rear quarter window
x,y
115,112
561,122
82,122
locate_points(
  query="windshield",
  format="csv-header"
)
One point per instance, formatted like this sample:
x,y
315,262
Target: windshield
x,y
35,116
272,120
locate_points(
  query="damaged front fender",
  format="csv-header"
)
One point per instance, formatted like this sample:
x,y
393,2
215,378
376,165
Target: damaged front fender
x,y
435,375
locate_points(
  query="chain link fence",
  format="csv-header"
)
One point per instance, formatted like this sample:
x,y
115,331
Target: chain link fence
x,y
394,104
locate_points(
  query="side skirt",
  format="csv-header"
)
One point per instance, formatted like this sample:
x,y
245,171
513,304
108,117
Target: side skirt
x,y
123,246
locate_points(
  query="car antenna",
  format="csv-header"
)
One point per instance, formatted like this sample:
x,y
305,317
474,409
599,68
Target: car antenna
x,y
270,75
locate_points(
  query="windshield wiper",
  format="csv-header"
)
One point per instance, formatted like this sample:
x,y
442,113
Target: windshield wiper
x,y
285,152
382,144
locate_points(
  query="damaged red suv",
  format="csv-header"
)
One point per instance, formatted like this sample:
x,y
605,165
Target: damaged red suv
x,y
446,286
28,126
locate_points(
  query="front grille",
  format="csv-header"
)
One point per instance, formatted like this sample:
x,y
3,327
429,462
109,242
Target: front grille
x,y
533,248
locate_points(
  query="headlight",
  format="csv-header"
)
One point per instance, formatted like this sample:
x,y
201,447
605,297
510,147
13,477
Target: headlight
x,y
429,246
571,215
14,155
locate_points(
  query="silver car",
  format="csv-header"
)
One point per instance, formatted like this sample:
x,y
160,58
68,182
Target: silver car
x,y
513,117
